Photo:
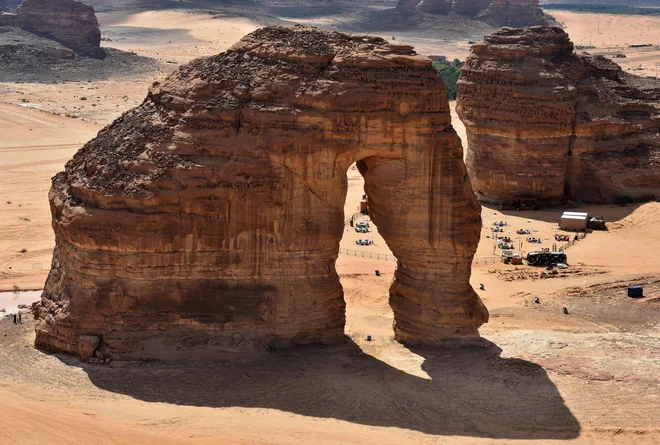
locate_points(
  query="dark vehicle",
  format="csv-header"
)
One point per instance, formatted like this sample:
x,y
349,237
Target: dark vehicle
x,y
545,258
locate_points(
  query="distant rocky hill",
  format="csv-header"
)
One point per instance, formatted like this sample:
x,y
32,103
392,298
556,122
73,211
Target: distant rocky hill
x,y
493,12
69,22
603,2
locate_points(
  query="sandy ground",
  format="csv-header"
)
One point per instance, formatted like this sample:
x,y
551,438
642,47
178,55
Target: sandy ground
x,y
33,147
591,377
611,34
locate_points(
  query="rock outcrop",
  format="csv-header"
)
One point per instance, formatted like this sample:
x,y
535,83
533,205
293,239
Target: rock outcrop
x,y
69,22
517,13
493,12
470,7
545,123
207,220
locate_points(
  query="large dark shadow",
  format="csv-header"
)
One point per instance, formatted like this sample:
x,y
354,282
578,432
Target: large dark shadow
x,y
471,392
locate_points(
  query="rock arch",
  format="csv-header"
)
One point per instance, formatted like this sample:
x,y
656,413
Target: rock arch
x,y
207,220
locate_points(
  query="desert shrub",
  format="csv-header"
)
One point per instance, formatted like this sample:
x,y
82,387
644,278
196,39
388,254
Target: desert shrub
x,y
450,72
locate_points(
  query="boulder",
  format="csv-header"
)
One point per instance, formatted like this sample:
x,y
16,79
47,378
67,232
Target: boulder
x,y
86,346
545,123
207,220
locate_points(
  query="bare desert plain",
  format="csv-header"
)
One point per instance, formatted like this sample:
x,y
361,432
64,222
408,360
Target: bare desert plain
x,y
590,377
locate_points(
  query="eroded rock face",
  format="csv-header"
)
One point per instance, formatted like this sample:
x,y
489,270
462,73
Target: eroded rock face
x,y
545,123
435,6
494,12
512,13
69,22
470,7
207,220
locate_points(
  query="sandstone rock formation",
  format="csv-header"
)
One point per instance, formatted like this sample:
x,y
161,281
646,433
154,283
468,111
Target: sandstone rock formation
x,y
208,219
545,123
494,12
470,7
516,13
69,22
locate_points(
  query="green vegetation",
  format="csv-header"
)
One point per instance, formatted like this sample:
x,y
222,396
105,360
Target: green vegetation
x,y
603,9
450,72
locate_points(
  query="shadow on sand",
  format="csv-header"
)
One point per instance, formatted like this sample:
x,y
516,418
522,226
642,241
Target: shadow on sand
x,y
471,392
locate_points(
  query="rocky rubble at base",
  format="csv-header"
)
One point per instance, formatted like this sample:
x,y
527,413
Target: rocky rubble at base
x,y
206,222
546,123
493,12
69,22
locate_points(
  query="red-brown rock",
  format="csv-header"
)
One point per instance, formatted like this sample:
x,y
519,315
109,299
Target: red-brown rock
x,y
545,123
207,220
69,22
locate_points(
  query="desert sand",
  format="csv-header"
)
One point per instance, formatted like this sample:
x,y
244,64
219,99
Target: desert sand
x,y
611,34
590,377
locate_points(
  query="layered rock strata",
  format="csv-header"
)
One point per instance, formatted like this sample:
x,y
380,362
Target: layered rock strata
x,y
545,123
516,13
207,220
493,12
69,22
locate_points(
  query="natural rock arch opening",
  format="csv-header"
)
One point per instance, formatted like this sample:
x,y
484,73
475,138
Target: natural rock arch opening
x,y
207,220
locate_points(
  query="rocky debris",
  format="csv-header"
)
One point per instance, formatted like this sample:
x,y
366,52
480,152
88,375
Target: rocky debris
x,y
549,124
207,221
493,12
69,22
